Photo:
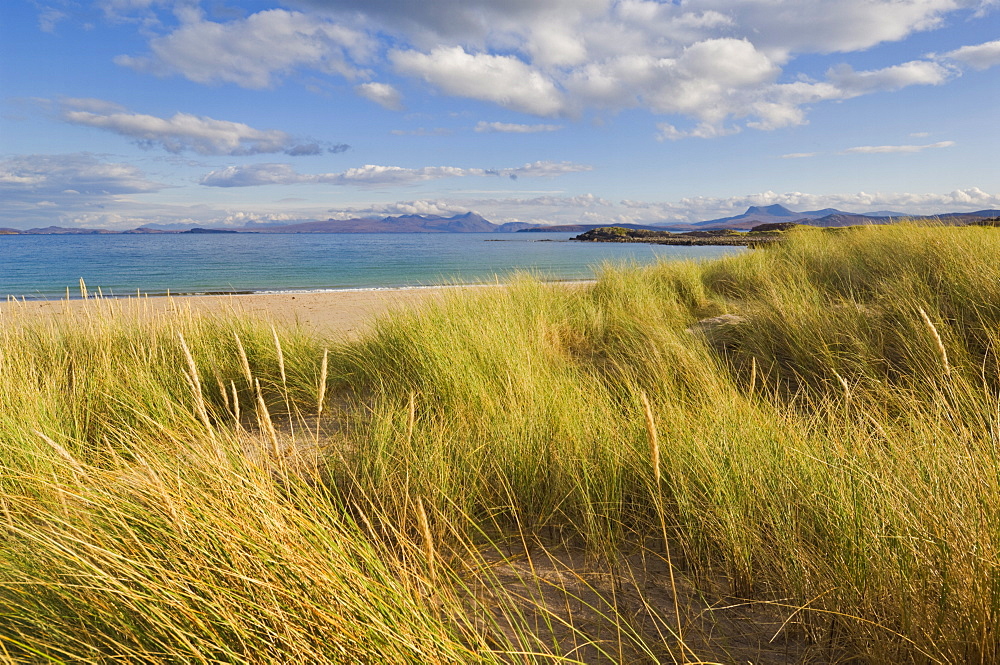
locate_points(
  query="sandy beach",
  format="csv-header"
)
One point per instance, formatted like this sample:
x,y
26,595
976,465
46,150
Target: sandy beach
x,y
342,314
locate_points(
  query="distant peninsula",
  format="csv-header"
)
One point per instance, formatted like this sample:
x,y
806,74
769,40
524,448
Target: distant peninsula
x,y
762,234
471,222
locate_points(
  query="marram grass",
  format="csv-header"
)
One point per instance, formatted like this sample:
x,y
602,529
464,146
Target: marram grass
x,y
527,474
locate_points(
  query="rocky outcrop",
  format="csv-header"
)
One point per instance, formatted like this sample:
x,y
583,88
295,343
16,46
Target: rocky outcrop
x,y
720,237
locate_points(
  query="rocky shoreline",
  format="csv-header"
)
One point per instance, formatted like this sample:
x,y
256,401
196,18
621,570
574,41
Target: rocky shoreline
x,y
764,234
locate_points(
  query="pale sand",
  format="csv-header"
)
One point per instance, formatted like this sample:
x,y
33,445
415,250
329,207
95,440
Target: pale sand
x,y
343,314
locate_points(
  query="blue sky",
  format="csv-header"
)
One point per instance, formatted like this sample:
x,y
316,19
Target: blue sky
x,y
118,113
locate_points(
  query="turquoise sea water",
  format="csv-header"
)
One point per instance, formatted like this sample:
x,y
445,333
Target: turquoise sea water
x,y
43,266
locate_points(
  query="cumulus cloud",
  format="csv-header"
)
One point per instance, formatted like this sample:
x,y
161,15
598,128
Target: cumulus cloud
x,y
417,207
717,65
595,26
979,56
245,218
187,132
503,79
818,26
883,149
430,22
254,52
484,127
374,175
382,94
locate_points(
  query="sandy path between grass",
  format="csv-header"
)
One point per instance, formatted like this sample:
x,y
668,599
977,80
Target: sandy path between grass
x,y
343,314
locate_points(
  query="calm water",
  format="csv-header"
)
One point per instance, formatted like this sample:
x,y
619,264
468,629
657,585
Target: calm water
x,y
44,266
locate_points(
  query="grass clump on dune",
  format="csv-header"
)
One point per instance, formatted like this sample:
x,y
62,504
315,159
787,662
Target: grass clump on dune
x,y
533,473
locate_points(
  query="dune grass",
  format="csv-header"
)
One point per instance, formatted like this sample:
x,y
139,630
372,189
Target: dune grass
x,y
530,474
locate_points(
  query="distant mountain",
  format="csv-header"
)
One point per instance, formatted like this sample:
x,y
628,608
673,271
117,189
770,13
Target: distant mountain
x,y
142,230
847,219
983,214
514,227
826,217
60,230
176,227
754,216
885,213
470,222
583,228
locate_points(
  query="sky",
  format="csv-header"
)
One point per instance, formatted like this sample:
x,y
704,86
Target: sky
x,y
119,113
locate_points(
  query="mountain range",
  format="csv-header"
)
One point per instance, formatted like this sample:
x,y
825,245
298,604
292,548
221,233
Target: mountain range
x,y
756,215
471,222
830,217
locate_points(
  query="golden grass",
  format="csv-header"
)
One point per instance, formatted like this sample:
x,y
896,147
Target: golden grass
x,y
527,474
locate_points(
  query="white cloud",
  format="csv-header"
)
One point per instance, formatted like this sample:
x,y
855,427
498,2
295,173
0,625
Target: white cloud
x,y
798,155
484,127
244,218
979,56
883,149
417,207
713,64
256,51
186,132
382,94
470,20
55,177
42,190
917,72
706,80
558,32
781,104
820,26
502,79
374,175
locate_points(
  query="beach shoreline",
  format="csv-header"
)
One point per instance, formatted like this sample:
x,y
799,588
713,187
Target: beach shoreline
x,y
337,313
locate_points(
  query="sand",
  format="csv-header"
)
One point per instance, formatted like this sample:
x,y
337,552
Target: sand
x,y
343,314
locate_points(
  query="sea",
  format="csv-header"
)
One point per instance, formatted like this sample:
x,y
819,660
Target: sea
x,y
43,267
